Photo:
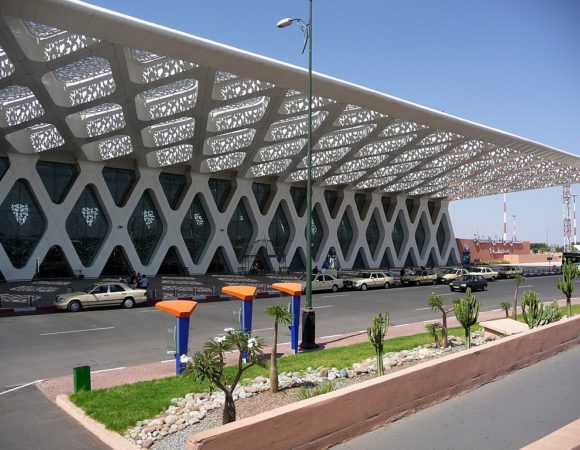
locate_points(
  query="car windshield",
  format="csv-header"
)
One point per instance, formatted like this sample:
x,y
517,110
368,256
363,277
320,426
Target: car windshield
x,y
303,277
90,288
363,275
446,271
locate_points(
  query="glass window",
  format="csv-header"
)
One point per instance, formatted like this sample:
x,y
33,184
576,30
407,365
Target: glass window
x,y
87,225
279,232
440,236
344,234
22,223
57,178
317,233
420,237
373,235
4,164
145,227
298,197
240,230
220,190
398,235
195,229
116,288
173,186
119,182
330,197
261,192
359,200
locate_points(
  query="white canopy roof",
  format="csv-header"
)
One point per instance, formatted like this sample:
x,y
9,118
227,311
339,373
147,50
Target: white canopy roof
x,y
77,78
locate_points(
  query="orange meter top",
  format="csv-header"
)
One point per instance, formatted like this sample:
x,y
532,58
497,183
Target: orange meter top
x,y
241,292
178,308
289,288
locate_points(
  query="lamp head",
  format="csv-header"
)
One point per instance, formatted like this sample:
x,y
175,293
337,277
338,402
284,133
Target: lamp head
x,y
283,23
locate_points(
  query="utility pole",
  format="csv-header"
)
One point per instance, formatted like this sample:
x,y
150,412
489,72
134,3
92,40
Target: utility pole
x,y
566,223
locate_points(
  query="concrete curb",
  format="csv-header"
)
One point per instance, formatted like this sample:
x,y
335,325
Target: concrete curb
x,y
565,438
110,438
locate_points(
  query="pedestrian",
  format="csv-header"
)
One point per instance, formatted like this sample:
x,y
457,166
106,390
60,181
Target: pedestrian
x,y
143,282
315,270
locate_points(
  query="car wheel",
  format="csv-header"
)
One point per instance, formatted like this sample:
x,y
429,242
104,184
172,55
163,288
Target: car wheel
x,y
334,288
434,282
484,287
417,283
363,287
74,306
128,303
387,285
451,289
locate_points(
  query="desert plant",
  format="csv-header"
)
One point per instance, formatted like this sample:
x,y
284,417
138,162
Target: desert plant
x,y
506,308
566,283
281,315
376,334
433,330
534,312
519,279
308,392
466,312
209,364
435,302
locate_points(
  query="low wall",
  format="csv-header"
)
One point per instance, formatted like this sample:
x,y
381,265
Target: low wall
x,y
331,418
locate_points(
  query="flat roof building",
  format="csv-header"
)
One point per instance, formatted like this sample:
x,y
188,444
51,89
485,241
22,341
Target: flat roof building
x,y
128,146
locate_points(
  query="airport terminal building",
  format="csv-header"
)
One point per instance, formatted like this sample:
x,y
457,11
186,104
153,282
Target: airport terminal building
x,y
128,146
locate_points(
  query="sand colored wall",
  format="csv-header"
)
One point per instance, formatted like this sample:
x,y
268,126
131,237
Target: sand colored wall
x,y
357,409
527,259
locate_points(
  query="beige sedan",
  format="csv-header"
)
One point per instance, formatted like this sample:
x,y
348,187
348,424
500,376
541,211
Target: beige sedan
x,y
101,294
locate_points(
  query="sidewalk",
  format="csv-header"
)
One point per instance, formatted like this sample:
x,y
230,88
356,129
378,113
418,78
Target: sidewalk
x,y
104,379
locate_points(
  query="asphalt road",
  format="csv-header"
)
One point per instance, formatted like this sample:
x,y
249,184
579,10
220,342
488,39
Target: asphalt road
x,y
44,346
507,414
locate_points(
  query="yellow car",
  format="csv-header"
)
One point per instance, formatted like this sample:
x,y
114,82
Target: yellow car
x,y
101,294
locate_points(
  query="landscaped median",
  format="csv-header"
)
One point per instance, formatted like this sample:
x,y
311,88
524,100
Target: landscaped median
x,y
324,421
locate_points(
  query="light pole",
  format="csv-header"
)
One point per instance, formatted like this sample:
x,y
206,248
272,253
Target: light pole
x,y
308,315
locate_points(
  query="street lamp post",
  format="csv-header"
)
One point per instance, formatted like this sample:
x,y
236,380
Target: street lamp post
x,y
308,314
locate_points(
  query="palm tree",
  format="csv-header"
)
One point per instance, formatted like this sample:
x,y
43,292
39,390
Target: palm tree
x,y
281,315
506,307
566,283
519,279
435,302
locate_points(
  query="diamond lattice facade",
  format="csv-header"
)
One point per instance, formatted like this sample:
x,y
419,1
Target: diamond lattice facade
x,y
128,146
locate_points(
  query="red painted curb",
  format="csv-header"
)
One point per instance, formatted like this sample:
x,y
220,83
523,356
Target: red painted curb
x,y
6,310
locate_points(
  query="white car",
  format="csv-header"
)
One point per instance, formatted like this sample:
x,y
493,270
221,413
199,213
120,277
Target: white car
x,y
486,272
323,282
451,274
365,280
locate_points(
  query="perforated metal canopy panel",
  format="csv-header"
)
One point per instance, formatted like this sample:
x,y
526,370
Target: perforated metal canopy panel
x,y
80,79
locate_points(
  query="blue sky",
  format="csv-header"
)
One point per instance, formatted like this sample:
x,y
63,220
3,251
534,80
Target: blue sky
x,y
512,65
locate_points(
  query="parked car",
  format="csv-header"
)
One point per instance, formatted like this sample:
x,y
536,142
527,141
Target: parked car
x,y
509,271
416,277
365,280
471,281
486,272
323,282
448,275
101,294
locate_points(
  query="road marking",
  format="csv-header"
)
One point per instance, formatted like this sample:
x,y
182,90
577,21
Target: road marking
x,y
320,307
76,331
401,325
20,387
447,295
106,370
263,329
335,295
331,336
167,360
527,286
422,309
495,310
430,321
151,310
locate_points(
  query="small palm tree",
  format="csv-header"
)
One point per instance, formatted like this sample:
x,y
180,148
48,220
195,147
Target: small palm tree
x,y
519,279
506,308
566,283
466,312
435,302
433,330
281,315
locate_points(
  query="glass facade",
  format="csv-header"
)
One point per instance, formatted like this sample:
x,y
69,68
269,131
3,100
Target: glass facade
x,y
330,197
119,182
54,264
317,233
297,264
218,263
410,261
87,225
420,236
431,208
240,231
22,224
409,203
117,264
359,262
359,200
4,164
386,261
298,197
431,260
195,229
57,178
261,192
220,190
440,237
386,201
452,261
344,234
171,264
398,236
173,185
145,227
373,235
279,232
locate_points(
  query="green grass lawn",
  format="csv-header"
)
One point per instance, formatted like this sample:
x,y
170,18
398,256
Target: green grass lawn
x,y
120,407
